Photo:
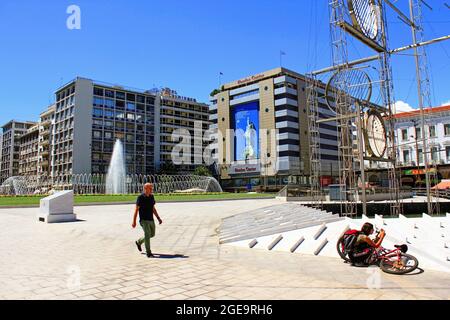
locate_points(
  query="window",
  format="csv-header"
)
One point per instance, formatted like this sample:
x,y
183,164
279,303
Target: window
x,y
109,93
120,95
130,116
98,91
97,134
95,156
405,134
130,137
447,153
109,113
434,154
140,99
109,124
420,154
108,135
98,112
131,97
131,106
406,157
432,130
150,100
109,103
120,114
98,101
108,146
418,133
447,129
120,104
245,94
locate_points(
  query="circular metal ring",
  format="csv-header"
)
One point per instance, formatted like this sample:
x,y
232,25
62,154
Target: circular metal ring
x,y
354,83
375,134
366,16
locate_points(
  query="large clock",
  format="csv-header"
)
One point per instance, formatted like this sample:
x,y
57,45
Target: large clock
x,y
375,134
365,16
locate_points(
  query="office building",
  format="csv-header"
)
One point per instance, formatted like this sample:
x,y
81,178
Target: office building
x,y
11,133
28,152
46,125
90,116
273,103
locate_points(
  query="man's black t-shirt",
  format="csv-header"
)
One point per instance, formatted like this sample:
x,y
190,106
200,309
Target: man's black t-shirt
x,y
145,205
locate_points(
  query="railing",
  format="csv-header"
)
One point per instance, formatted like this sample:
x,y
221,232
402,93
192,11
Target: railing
x,y
96,184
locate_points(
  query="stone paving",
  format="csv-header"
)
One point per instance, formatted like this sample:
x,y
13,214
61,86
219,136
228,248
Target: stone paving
x,y
96,258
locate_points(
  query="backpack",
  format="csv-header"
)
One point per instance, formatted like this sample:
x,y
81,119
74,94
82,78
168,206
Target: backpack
x,y
349,240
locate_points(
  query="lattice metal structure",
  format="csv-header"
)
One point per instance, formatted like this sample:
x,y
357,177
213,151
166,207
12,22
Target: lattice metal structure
x,y
387,93
347,175
424,95
365,21
312,102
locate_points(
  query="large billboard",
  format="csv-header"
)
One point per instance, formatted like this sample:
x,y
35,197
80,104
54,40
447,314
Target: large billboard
x,y
245,121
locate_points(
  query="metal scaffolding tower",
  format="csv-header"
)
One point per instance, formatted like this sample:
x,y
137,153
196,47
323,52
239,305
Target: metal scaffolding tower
x,y
424,98
314,140
365,130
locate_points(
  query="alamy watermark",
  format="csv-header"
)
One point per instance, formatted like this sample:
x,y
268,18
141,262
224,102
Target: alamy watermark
x,y
73,22
74,277
238,146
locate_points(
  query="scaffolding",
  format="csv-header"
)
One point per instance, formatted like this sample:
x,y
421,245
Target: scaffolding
x,y
424,98
314,140
366,22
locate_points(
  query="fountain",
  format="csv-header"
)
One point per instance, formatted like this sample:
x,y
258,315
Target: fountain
x,y
116,177
115,182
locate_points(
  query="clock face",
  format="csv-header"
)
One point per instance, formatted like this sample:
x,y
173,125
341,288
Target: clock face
x,y
365,16
376,134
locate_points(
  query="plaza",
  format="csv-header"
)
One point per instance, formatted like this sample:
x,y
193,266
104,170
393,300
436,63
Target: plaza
x,y
96,258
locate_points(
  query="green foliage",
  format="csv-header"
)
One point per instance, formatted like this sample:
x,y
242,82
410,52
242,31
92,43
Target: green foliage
x,y
202,171
214,92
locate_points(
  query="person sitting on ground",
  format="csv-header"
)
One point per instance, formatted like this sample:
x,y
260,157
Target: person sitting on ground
x,y
364,246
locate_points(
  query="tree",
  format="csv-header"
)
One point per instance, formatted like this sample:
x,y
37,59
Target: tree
x,y
214,92
167,168
202,171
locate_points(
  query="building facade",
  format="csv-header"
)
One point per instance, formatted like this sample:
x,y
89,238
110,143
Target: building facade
x,y
90,116
29,152
273,103
11,132
46,126
410,151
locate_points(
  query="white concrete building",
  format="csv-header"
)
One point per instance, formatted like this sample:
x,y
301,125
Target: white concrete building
x,y
408,128
90,116
9,162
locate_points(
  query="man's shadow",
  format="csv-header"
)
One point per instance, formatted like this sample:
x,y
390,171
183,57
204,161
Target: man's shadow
x,y
169,256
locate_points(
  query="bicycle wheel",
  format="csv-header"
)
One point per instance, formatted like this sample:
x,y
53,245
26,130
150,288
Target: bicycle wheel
x,y
394,264
340,249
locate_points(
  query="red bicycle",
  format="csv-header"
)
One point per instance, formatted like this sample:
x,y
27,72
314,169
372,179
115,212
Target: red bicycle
x,y
395,261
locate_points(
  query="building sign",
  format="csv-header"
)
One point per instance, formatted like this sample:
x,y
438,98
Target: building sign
x,y
416,172
245,120
251,79
244,169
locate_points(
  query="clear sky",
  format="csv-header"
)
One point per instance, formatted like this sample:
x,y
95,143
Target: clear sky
x,y
183,45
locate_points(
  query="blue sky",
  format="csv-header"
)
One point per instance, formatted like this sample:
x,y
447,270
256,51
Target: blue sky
x,y
183,45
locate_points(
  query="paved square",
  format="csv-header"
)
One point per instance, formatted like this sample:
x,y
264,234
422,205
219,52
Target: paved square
x,y
96,258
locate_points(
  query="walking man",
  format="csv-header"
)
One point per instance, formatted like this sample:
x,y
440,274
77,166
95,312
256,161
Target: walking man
x,y
145,205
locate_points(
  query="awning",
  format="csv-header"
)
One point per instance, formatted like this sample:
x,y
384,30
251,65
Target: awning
x,y
443,185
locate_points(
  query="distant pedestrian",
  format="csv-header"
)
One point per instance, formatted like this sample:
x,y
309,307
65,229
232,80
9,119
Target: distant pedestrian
x,y
145,205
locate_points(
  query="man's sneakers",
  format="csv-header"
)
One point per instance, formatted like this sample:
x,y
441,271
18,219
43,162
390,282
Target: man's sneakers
x,y
139,246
